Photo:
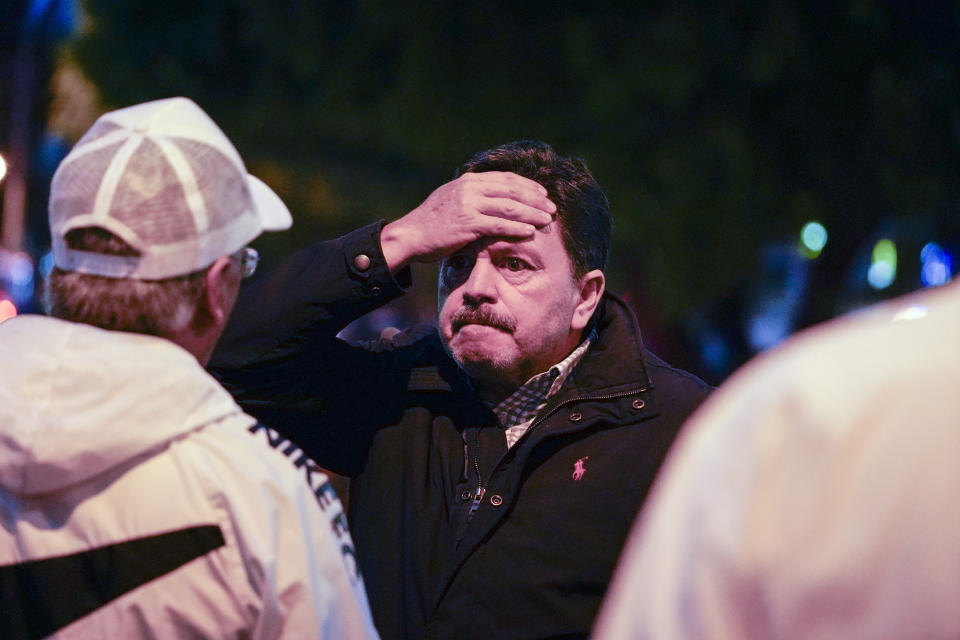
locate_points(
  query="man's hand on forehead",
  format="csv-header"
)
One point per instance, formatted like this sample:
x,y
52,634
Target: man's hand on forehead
x,y
475,205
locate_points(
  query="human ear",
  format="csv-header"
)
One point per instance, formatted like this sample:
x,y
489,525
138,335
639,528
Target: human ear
x,y
217,300
591,288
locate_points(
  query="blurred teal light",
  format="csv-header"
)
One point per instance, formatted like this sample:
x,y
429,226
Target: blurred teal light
x,y
813,238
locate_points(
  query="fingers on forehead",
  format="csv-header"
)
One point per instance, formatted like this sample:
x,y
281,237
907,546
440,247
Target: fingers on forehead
x,y
514,209
500,228
510,183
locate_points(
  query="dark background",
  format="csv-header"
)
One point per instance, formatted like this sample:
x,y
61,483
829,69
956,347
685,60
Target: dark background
x,y
717,129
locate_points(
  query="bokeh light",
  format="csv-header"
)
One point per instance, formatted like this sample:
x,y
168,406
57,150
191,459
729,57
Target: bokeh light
x,y
46,264
813,238
3,168
937,266
16,274
883,266
20,270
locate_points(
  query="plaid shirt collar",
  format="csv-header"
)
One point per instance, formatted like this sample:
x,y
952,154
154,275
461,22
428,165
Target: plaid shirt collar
x,y
522,405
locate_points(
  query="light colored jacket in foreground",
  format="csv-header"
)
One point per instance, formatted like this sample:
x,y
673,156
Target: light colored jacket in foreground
x,y
816,495
138,501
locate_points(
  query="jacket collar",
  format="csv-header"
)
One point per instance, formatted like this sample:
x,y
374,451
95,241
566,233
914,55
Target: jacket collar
x,y
616,362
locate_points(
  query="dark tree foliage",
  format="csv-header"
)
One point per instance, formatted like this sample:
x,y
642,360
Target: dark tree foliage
x,y
714,127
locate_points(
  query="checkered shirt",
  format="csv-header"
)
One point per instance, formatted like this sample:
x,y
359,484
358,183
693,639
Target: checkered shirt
x,y
518,410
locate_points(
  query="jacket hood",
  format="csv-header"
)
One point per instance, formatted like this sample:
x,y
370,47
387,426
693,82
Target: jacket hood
x,y
76,400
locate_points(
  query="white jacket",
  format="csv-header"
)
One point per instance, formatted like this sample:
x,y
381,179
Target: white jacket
x,y
138,501
814,496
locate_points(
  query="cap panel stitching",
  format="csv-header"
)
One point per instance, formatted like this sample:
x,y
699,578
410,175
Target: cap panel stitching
x,y
111,178
188,180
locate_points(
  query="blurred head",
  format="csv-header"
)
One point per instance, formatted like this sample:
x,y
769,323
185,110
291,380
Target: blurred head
x,y
511,309
150,215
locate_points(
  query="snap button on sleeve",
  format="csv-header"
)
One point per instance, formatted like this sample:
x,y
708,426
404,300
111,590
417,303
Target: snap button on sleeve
x,y
496,500
639,404
362,261
576,416
375,290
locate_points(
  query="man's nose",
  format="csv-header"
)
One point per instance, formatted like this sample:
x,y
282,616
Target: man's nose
x,y
480,285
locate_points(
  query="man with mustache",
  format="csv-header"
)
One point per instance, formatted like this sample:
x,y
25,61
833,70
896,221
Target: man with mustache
x,y
497,462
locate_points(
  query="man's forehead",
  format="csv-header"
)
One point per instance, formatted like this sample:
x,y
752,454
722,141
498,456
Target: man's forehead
x,y
542,239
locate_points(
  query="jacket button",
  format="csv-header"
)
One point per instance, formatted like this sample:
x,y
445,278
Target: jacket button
x,y
576,416
375,290
639,404
496,500
465,495
362,261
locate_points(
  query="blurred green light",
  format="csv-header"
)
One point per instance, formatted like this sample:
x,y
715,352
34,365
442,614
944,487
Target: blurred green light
x,y
813,237
885,251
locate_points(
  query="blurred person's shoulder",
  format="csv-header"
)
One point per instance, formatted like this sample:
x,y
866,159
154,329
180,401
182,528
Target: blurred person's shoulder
x,y
863,372
899,340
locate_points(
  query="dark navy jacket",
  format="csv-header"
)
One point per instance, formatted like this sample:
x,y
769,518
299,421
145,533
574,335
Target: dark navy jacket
x,y
400,418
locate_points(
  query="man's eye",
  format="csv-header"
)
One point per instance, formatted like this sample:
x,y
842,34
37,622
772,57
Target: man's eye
x,y
458,262
515,264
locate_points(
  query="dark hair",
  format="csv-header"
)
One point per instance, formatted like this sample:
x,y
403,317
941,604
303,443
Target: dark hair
x,y
583,211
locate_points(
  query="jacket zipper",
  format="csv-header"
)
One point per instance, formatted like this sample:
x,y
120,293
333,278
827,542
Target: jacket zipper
x,y
481,486
481,489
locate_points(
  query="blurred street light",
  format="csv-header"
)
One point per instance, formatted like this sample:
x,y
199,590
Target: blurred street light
x,y
45,22
16,276
937,265
813,238
883,265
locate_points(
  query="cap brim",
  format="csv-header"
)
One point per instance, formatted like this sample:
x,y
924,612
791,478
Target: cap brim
x,y
274,215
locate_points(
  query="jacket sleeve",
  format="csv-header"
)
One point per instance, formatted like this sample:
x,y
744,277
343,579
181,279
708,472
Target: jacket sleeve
x,y
282,361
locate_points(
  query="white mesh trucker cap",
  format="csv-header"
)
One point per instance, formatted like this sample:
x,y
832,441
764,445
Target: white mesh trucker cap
x,y
163,177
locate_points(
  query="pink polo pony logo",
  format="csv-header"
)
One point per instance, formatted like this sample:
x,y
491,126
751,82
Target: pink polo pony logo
x,y
578,469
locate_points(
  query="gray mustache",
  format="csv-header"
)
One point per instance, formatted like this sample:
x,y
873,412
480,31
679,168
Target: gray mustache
x,y
483,315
